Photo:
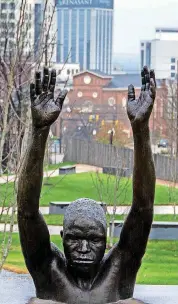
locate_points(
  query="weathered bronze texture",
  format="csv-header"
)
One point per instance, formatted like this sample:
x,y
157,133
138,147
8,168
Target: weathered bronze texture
x,y
84,274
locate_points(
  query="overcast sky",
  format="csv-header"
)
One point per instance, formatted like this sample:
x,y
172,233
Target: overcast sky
x,y
135,20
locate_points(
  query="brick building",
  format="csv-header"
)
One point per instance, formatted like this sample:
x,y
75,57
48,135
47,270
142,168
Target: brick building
x,y
98,98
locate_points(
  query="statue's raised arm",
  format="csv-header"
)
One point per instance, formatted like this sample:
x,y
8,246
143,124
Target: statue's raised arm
x,y
33,230
135,232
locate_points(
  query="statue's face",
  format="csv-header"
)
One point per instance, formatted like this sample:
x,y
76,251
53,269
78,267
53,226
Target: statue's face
x,y
84,243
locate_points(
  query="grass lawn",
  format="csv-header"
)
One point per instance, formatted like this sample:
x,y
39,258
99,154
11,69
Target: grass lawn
x,y
159,264
70,187
57,220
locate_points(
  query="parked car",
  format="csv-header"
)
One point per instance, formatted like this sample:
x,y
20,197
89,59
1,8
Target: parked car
x,y
163,143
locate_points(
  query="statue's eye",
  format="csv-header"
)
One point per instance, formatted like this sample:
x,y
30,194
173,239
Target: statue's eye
x,y
96,240
71,237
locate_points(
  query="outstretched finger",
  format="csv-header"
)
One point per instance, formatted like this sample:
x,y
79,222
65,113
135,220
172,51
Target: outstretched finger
x,y
152,88
131,93
52,81
45,82
152,76
147,78
32,92
61,97
38,85
143,80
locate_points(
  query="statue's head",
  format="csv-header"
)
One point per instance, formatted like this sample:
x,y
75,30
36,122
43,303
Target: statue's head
x,y
84,234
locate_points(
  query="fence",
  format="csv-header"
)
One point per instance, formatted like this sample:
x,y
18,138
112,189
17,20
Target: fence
x,y
101,155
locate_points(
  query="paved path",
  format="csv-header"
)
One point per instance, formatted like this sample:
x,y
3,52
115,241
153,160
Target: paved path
x,y
19,289
53,230
53,173
121,210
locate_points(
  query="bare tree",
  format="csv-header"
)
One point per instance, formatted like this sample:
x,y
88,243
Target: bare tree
x,y
111,189
20,55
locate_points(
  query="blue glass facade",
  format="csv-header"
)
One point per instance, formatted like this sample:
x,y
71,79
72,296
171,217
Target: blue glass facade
x,y
74,37
148,54
86,34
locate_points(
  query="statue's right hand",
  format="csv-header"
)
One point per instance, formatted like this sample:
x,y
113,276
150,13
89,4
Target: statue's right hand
x,y
45,110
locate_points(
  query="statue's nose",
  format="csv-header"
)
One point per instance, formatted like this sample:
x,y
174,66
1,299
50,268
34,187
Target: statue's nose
x,y
84,246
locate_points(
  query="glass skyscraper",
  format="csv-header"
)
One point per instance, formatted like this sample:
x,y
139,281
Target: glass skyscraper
x,y
85,33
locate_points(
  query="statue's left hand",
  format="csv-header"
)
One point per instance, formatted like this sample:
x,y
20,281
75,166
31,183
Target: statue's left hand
x,y
139,110
45,109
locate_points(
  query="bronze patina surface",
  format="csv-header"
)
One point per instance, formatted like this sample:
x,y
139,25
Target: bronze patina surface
x,y
83,274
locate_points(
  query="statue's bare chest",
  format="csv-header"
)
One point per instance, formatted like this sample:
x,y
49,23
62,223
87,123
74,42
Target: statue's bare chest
x,y
64,288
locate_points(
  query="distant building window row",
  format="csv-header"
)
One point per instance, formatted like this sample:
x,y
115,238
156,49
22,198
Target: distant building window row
x,y
6,6
173,60
69,72
4,16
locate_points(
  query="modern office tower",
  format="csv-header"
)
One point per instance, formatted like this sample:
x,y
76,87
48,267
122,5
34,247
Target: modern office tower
x,y
85,33
161,53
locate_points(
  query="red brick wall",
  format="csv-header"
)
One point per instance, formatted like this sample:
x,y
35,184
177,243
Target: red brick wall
x,y
157,121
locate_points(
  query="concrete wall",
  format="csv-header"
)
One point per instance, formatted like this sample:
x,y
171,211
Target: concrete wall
x,y
159,230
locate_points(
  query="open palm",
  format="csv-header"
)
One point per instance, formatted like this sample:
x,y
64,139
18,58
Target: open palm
x,y
45,110
139,110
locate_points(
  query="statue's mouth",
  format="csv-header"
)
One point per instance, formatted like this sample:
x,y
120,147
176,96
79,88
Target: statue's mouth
x,y
83,261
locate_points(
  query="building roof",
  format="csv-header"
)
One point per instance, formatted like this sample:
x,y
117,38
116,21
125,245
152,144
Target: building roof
x,y
124,80
166,29
95,73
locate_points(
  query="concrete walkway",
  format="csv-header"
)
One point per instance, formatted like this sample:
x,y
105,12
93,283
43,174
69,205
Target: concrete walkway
x,y
53,173
53,230
121,210
19,289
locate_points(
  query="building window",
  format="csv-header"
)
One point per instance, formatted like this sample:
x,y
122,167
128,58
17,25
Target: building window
x,y
3,16
142,44
68,72
173,67
142,58
11,35
173,60
148,54
3,6
12,6
173,75
11,16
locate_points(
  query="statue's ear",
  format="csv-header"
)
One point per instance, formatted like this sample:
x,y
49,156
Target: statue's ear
x,y
61,233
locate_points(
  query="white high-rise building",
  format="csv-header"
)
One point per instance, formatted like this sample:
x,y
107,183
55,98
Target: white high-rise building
x,y
28,28
161,53
16,26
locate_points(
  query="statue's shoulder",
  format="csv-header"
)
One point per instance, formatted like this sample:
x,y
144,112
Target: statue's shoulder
x,y
57,254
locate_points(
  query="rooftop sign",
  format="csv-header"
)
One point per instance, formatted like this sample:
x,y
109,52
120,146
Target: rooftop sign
x,y
85,3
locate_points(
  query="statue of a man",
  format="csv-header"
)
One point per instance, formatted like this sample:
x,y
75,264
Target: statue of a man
x,y
83,274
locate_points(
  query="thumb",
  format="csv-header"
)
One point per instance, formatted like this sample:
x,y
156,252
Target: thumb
x,y
60,99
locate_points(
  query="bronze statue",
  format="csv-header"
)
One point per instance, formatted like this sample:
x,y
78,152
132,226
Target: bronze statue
x,y
84,274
